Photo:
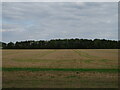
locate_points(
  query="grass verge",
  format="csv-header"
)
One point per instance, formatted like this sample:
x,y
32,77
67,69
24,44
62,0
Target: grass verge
x,y
59,69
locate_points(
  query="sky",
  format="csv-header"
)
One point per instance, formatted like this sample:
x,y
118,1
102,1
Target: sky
x,y
53,20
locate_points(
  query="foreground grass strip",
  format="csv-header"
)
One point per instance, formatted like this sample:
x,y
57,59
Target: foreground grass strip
x,y
59,69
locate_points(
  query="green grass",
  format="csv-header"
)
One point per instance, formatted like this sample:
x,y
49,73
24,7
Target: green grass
x,y
42,60
71,76
59,69
104,60
88,61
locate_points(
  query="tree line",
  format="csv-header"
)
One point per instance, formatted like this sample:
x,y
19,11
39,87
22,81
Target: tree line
x,y
63,44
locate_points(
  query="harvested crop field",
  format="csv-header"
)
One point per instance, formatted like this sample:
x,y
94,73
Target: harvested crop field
x,y
60,68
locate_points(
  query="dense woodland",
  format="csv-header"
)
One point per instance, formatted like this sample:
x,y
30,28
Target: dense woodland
x,y
63,44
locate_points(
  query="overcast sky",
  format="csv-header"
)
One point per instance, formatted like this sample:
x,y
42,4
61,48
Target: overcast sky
x,y
49,20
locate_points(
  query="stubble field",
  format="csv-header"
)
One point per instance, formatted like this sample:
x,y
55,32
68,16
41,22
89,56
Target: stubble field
x,y
60,68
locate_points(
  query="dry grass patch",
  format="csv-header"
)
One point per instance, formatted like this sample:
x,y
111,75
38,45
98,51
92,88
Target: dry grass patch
x,y
81,58
45,79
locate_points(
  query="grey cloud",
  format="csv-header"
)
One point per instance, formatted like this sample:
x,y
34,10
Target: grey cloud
x,y
48,20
